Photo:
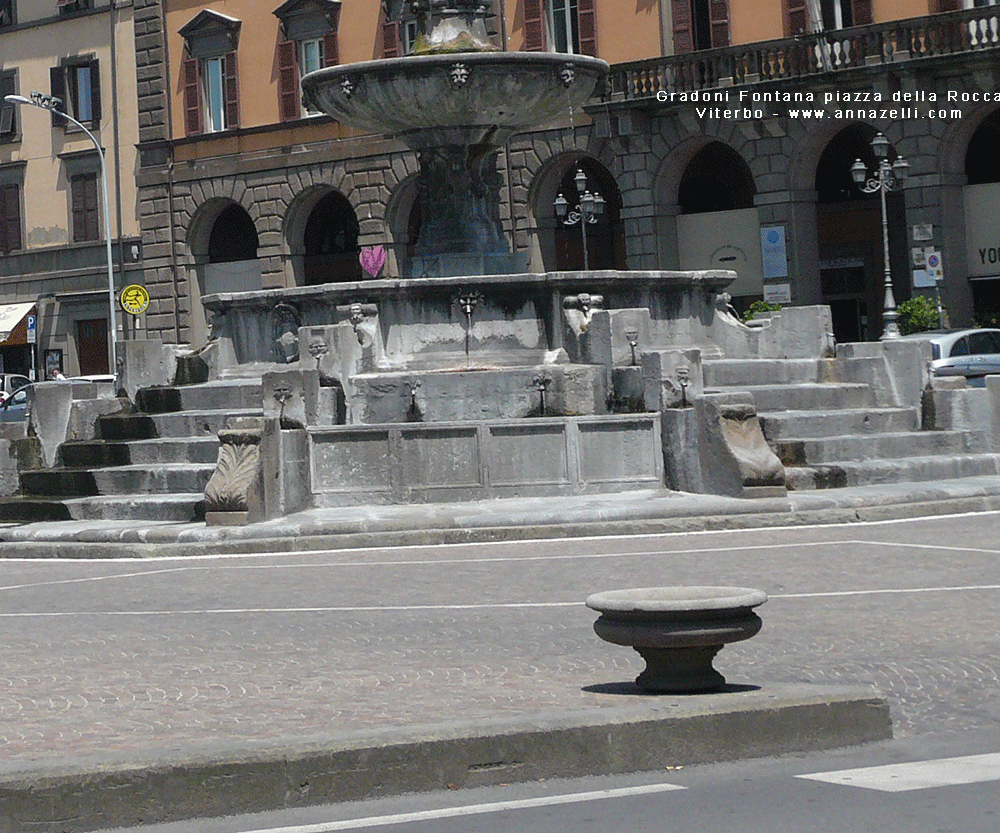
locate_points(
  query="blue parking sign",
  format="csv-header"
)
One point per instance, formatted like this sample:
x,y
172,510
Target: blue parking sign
x,y
31,329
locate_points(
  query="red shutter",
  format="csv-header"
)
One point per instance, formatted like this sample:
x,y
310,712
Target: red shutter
x,y
95,91
861,12
718,13
949,5
232,92
84,193
288,82
192,96
534,27
331,49
796,18
390,39
57,87
587,23
683,30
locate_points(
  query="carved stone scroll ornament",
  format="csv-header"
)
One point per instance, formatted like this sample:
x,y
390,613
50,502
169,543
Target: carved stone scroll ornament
x,y
236,485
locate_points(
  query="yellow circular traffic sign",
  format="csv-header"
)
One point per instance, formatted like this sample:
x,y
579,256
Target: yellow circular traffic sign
x,y
135,299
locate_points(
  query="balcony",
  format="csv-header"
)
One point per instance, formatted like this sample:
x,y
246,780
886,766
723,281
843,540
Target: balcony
x,y
809,55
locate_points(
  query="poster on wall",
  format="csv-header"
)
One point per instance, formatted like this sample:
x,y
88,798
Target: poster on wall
x,y
773,252
53,363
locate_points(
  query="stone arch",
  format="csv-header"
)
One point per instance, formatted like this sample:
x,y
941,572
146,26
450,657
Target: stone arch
x,y
850,239
320,236
560,247
216,263
402,223
716,178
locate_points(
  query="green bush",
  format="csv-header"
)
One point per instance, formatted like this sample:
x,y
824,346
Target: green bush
x,y
918,315
759,306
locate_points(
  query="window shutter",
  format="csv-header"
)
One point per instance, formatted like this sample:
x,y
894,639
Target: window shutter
x,y
949,5
796,18
861,12
718,12
95,91
10,218
331,49
288,82
85,225
57,87
7,124
683,33
192,96
232,92
390,39
534,27
587,27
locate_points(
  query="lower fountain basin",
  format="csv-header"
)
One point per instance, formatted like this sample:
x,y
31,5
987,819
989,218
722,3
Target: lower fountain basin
x,y
678,630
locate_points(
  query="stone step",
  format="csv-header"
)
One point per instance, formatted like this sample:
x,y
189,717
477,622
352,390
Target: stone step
x,y
172,508
881,446
196,423
909,470
778,425
723,373
102,453
125,427
118,480
224,394
825,396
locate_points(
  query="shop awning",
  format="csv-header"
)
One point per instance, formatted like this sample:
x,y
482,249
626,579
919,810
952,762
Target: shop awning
x,y
13,327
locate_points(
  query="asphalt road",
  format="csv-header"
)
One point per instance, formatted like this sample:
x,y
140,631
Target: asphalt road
x,y
114,657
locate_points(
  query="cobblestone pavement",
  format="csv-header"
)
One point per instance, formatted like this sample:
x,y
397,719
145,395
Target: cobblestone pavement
x,y
128,657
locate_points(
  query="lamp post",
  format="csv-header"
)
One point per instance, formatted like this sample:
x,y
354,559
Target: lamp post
x,y
587,210
51,103
888,177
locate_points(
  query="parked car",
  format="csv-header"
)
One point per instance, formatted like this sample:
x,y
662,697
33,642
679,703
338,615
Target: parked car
x,y
973,354
15,407
10,382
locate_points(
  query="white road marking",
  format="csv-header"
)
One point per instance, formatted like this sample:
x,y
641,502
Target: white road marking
x,y
471,810
447,607
920,775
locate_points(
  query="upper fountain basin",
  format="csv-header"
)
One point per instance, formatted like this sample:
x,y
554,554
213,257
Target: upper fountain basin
x,y
466,98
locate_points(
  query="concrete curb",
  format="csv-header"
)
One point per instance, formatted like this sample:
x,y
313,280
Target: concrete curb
x,y
114,541
742,722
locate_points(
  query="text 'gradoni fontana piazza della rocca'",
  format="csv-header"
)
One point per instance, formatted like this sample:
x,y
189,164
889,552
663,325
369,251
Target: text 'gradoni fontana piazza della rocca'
x,y
746,97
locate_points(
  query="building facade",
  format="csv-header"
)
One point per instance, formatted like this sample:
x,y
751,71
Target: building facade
x,y
725,138
53,255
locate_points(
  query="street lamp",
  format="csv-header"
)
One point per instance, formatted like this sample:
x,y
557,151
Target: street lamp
x,y
587,210
51,103
888,177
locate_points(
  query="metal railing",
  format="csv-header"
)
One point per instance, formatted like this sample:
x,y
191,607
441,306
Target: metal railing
x,y
809,54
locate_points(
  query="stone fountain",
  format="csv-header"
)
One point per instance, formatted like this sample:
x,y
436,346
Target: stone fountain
x,y
456,101
471,378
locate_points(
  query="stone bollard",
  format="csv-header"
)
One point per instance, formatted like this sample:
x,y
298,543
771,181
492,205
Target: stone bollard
x,y
677,630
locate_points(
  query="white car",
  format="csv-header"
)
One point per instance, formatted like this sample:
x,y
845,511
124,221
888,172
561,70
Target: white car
x,y
10,382
973,354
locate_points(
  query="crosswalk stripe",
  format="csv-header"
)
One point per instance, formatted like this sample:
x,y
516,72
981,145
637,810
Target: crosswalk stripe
x,y
920,775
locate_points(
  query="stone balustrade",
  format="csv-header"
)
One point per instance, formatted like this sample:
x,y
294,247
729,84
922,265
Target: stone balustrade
x,y
809,54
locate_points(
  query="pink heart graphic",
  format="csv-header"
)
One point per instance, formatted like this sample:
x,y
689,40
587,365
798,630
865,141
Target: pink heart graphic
x,y
372,260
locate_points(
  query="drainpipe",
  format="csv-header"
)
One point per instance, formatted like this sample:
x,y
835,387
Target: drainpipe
x,y
116,149
170,172
506,147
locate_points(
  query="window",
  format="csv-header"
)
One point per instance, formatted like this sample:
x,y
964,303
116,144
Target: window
x,y
10,218
828,15
77,82
70,6
8,112
408,32
560,26
310,31
209,73
7,10
700,24
83,194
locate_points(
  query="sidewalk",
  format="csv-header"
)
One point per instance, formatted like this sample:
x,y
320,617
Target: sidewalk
x,y
638,512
